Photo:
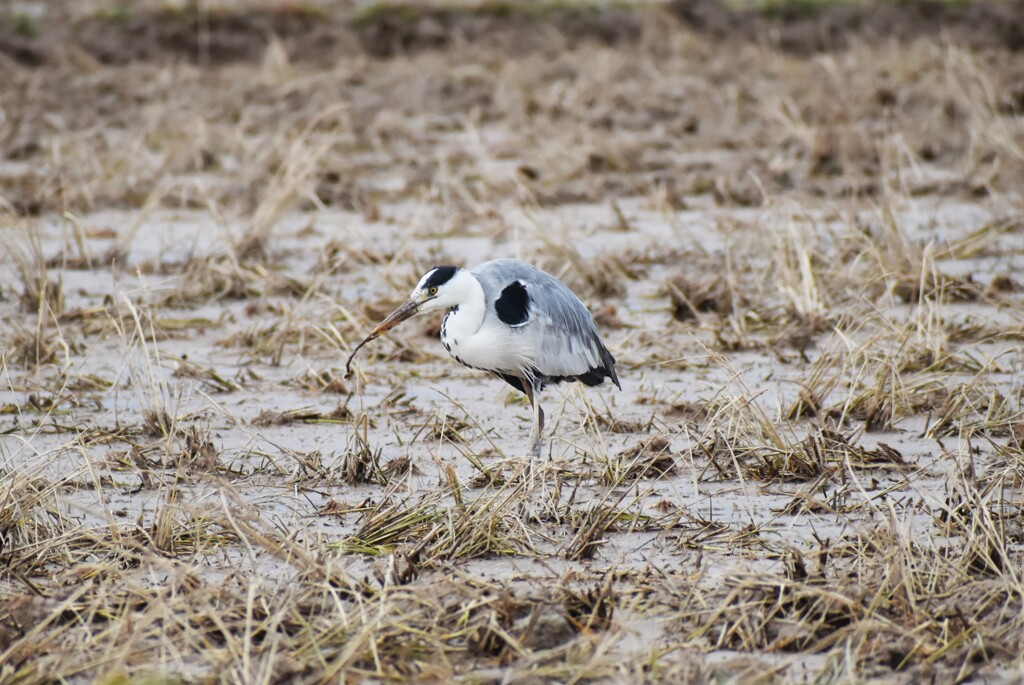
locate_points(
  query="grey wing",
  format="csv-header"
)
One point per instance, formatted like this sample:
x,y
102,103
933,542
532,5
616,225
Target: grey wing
x,y
563,335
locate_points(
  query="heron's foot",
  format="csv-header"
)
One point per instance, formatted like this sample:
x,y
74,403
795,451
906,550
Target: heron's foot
x,y
527,473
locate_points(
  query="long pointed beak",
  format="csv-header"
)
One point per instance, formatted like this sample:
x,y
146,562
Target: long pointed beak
x,y
394,318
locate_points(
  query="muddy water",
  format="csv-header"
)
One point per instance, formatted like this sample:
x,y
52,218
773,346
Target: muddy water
x,y
435,388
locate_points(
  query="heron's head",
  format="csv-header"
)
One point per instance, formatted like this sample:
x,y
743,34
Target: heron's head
x,y
443,287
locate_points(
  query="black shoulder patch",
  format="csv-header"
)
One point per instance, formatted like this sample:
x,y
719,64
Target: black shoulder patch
x,y
513,306
440,275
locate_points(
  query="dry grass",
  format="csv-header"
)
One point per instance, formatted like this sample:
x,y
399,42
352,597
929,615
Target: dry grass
x,y
805,265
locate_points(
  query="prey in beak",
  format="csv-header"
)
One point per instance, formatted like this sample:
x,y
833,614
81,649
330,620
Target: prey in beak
x,y
406,311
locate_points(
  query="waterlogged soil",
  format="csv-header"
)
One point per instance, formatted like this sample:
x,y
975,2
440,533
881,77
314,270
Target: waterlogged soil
x,y
801,241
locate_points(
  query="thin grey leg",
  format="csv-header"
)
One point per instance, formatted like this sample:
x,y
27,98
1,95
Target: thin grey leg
x,y
538,429
537,434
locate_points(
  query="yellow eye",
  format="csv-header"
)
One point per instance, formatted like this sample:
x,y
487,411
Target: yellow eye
x,y
432,291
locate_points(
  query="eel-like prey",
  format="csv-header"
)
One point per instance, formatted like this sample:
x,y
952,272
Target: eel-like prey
x,y
393,319
348,364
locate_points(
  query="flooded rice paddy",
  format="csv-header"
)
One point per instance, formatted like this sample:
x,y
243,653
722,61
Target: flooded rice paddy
x,y
806,262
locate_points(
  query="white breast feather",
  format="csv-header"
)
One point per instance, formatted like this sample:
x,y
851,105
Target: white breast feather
x,y
491,347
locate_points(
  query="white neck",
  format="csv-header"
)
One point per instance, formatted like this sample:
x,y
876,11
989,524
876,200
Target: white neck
x,y
466,321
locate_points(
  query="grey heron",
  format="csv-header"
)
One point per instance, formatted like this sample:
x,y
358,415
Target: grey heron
x,y
514,320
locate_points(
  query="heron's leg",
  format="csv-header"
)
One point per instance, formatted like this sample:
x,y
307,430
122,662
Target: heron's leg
x,y
537,433
538,428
